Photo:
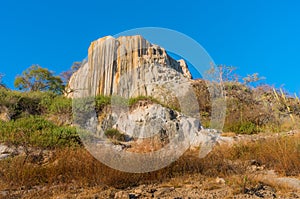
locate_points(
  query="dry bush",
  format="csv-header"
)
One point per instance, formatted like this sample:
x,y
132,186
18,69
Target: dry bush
x,y
76,166
281,154
79,167
203,96
251,110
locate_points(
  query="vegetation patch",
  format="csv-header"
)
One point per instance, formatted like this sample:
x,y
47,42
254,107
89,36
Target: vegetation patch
x,y
35,131
115,134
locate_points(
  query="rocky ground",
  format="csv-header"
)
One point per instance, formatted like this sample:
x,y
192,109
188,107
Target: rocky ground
x,y
195,186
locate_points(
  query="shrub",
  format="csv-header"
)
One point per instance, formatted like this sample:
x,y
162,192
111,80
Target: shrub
x,y
83,109
61,105
102,101
115,135
134,100
23,104
281,154
38,132
246,127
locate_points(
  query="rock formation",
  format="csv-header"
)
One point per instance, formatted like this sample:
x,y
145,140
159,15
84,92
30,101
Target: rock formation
x,y
157,136
126,66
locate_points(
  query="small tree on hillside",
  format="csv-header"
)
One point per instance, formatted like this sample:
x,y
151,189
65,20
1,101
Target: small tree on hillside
x,y
252,78
36,78
222,73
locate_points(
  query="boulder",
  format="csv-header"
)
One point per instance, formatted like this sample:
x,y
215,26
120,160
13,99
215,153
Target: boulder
x,y
152,126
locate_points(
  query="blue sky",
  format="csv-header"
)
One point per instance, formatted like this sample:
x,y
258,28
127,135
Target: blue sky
x,y
255,36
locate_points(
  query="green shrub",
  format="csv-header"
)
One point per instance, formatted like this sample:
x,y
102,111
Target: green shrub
x,y
61,105
102,101
10,100
134,100
28,103
119,101
38,132
83,109
115,135
65,136
246,127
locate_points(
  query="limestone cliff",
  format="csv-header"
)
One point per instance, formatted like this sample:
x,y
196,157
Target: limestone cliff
x,y
126,66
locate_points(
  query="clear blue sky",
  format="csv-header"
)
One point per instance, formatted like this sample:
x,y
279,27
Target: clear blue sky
x,y
256,36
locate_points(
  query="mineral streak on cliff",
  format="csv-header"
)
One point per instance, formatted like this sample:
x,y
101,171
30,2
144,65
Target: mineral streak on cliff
x,y
126,66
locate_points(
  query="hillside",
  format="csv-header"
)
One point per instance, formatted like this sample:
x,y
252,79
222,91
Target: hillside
x,y
45,136
45,154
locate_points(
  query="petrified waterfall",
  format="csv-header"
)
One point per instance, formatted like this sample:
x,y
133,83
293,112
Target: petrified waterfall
x,y
126,66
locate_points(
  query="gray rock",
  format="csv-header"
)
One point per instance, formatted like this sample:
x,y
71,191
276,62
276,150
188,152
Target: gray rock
x,y
6,151
3,149
162,191
149,120
155,120
3,156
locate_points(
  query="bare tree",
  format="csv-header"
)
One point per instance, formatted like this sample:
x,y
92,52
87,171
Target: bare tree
x,y
66,75
2,85
252,78
222,73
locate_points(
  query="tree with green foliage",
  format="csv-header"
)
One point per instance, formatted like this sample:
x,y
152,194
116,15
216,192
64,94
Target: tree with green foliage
x,y
36,78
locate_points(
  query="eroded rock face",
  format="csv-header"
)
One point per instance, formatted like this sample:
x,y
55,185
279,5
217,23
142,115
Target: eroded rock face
x,y
126,66
153,126
148,120
159,132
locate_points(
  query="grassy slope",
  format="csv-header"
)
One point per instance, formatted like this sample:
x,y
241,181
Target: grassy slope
x,y
41,120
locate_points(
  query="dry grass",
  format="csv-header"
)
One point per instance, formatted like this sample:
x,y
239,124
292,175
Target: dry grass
x,y
77,166
281,154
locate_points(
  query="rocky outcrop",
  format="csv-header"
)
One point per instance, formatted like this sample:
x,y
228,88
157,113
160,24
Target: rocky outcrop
x,y
154,136
126,66
149,119
155,126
